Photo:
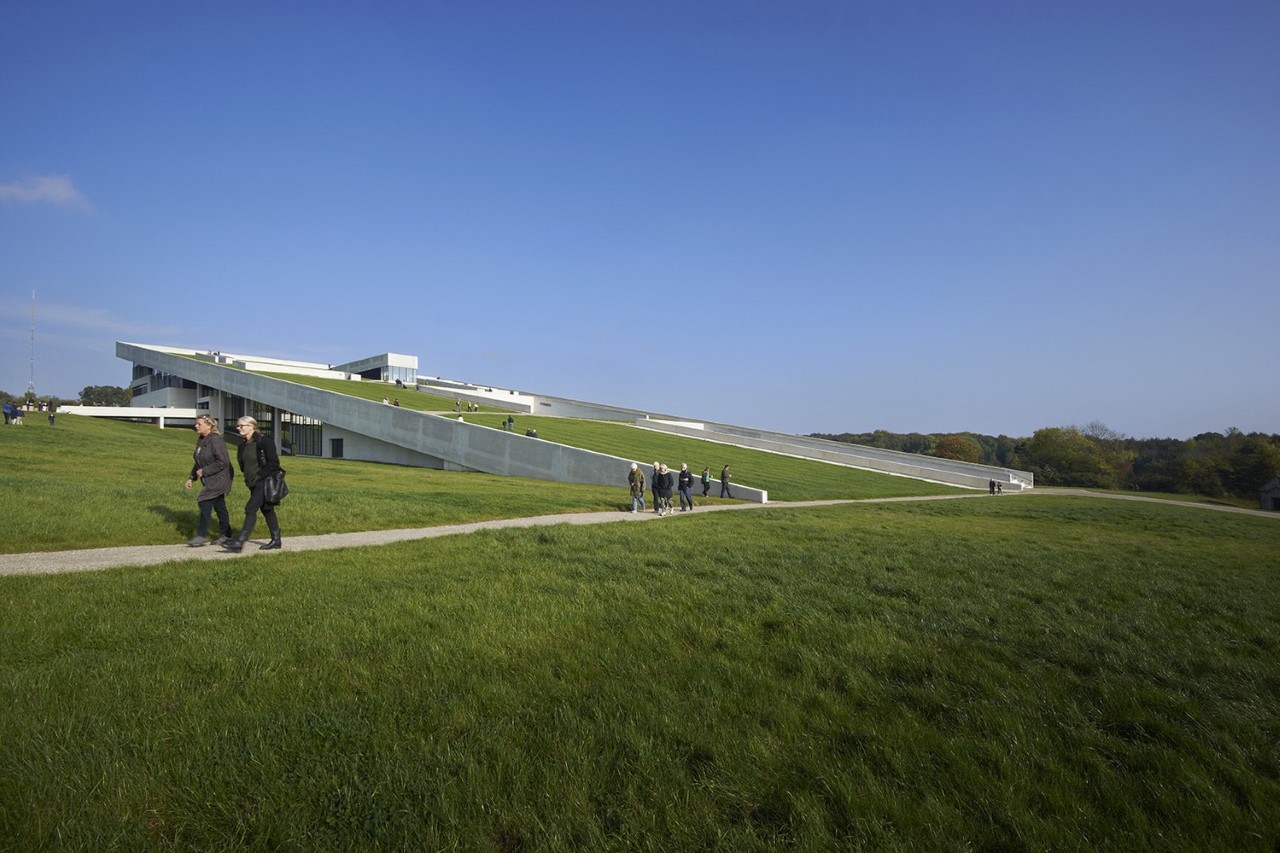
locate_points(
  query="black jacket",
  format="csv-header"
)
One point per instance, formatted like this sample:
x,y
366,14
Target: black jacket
x,y
259,464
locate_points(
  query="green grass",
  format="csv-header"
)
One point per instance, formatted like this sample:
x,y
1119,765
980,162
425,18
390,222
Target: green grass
x,y
95,483
1023,674
420,401
784,478
1226,500
91,482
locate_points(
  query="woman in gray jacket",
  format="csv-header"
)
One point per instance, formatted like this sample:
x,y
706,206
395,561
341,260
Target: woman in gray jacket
x,y
212,468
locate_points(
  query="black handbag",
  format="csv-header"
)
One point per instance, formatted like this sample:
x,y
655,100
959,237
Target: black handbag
x,y
274,488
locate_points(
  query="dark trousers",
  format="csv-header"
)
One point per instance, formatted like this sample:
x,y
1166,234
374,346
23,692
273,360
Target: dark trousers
x,y
207,508
724,489
256,502
686,497
706,488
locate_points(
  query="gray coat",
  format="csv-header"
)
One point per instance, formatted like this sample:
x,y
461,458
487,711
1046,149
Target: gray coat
x,y
211,455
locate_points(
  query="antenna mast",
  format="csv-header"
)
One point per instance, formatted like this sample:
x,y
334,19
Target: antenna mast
x,y
31,381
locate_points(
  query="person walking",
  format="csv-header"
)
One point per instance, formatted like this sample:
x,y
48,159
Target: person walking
x,y
724,483
258,460
685,484
212,468
653,486
664,490
706,480
636,479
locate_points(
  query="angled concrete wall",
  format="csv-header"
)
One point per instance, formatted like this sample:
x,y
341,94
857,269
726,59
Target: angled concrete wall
x,y
967,474
455,443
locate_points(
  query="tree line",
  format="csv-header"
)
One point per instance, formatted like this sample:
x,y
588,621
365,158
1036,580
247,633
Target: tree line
x,y
1091,456
90,395
1094,456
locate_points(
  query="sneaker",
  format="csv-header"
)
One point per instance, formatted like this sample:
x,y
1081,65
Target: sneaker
x,y
222,540
197,541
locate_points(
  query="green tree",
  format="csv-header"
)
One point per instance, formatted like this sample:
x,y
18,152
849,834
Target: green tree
x,y
1157,463
1204,468
960,447
1064,456
105,395
1255,461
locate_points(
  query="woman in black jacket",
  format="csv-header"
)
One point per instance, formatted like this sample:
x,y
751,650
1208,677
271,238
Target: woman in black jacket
x,y
258,460
663,488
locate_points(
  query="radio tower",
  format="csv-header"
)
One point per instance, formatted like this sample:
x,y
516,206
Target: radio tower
x,y
31,381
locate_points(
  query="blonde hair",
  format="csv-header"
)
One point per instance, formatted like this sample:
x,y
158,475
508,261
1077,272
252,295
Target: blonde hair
x,y
211,421
248,420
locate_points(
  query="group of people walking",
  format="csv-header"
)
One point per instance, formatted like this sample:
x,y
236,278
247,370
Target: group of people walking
x,y
661,481
257,459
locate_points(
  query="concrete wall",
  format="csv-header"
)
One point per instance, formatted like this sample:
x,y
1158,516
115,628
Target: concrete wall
x,y
389,359
453,442
560,407
163,415
368,449
171,397
949,471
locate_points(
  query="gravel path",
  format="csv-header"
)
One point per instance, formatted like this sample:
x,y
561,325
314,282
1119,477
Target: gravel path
x,y
95,559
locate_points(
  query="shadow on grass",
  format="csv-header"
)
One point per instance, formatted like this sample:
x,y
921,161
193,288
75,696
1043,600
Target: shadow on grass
x,y
184,523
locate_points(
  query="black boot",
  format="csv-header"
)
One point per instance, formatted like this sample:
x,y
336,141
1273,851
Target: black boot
x,y
274,544
236,544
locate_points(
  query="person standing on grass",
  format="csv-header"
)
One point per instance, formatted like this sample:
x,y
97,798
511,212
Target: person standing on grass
x,y
706,480
724,483
685,484
213,469
258,460
636,479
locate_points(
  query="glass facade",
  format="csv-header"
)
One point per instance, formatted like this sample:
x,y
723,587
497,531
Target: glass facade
x,y
294,435
407,375
301,436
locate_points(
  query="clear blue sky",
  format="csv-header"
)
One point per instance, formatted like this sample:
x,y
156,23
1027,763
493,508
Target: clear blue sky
x,y
805,216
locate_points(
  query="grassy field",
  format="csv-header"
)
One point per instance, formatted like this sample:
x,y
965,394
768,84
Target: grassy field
x,y
1024,673
95,483
1225,500
784,478
419,401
